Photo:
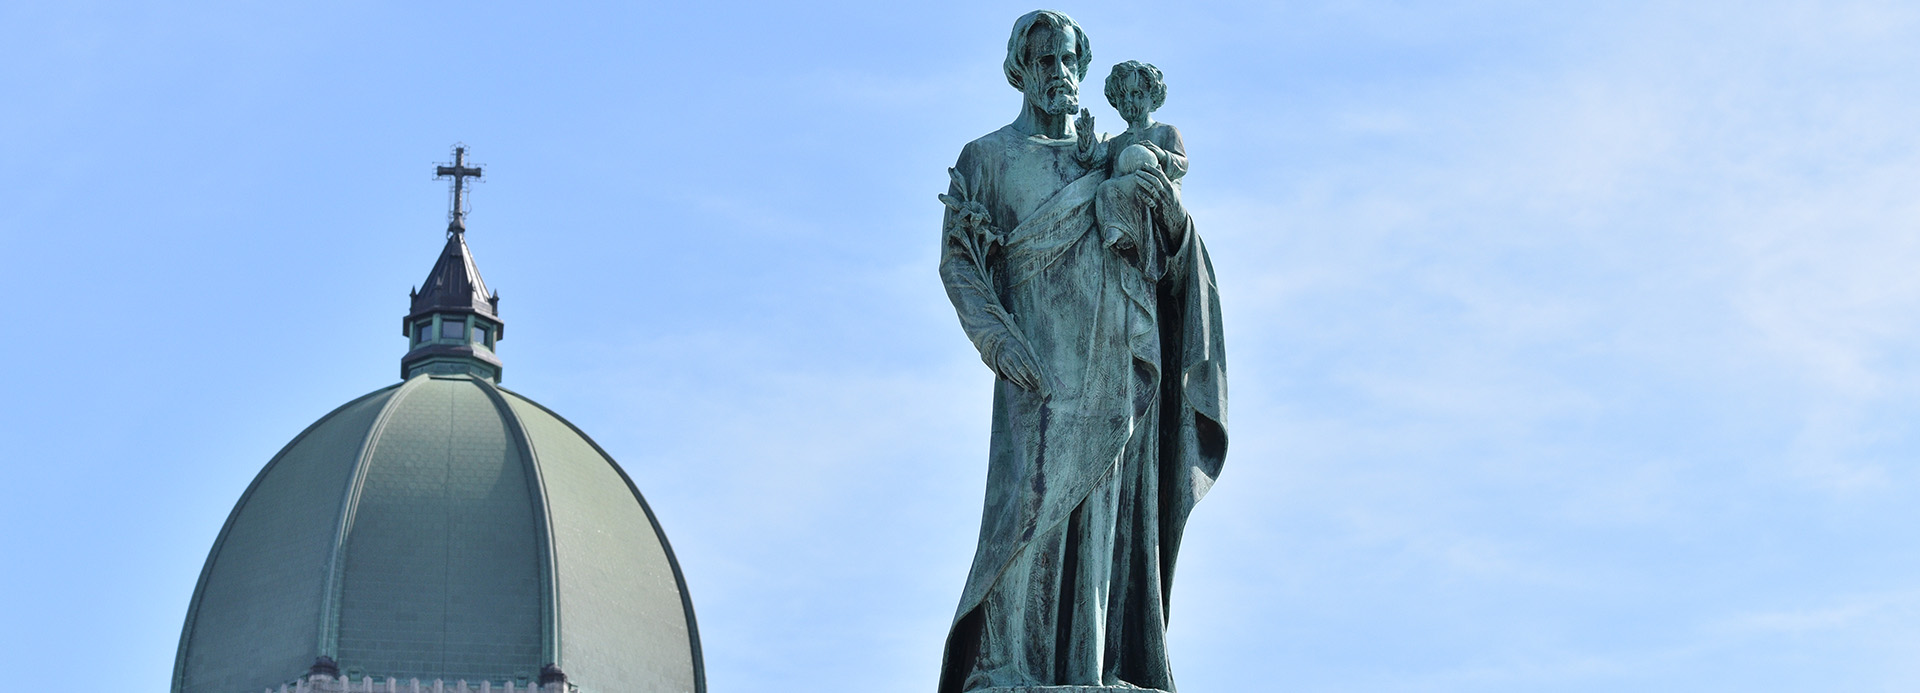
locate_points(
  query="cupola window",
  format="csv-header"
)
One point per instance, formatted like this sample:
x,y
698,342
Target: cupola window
x,y
453,330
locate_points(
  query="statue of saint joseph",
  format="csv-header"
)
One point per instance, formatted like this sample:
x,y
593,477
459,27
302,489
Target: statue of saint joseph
x,y
1109,410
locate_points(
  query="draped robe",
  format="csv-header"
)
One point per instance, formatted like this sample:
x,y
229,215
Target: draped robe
x,y
1125,436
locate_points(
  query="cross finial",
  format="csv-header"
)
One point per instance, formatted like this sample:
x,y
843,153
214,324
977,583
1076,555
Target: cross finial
x,y
459,172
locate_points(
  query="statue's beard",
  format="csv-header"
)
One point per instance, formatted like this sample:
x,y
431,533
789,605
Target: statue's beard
x,y
1059,98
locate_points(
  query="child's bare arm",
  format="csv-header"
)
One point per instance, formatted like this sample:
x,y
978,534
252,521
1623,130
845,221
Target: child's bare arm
x,y
1173,151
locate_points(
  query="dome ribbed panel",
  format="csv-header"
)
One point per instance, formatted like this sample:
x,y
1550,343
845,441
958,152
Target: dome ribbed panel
x,y
624,623
443,563
254,621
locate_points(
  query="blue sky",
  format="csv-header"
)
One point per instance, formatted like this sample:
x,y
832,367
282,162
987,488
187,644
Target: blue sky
x,y
1572,348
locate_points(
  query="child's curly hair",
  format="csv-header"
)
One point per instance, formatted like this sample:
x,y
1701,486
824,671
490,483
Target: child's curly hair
x,y
1155,81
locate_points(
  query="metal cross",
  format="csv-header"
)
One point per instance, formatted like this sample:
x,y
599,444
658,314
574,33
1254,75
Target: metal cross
x,y
460,172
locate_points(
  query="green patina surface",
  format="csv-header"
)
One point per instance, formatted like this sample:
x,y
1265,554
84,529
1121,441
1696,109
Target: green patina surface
x,y
1084,285
255,612
442,570
613,569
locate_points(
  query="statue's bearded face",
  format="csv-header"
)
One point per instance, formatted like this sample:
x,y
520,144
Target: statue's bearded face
x,y
1049,76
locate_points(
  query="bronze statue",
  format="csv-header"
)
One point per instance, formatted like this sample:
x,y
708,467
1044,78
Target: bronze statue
x,y
1086,290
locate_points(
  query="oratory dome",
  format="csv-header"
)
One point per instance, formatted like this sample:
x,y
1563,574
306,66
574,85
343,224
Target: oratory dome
x,y
442,528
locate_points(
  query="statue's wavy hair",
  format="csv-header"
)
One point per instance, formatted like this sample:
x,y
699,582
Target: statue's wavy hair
x,y
1017,44
1156,82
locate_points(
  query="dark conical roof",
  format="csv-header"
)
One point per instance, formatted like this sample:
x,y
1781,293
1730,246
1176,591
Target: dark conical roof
x,y
453,321
454,285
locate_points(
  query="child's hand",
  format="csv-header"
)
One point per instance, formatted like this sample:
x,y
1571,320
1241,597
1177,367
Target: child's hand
x,y
1166,159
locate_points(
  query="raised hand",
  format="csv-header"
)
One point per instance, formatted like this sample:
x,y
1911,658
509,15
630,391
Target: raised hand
x,y
1083,129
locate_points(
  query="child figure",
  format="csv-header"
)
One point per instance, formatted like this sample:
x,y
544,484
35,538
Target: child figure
x,y
1125,215
1136,90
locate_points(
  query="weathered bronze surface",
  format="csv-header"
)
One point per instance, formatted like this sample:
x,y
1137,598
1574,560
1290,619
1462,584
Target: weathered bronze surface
x,y
1088,293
